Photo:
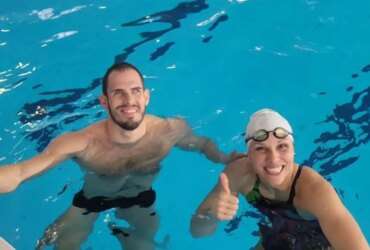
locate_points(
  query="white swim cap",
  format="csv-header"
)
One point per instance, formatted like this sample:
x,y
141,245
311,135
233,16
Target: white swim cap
x,y
268,120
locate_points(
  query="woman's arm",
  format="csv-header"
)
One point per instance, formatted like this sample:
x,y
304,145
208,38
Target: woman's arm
x,y
222,202
319,198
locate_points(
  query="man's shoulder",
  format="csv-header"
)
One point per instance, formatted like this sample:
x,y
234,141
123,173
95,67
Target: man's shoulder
x,y
177,123
155,118
83,136
68,143
170,123
96,129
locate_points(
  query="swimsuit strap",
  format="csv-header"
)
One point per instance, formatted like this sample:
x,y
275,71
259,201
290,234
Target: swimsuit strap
x,y
256,186
292,190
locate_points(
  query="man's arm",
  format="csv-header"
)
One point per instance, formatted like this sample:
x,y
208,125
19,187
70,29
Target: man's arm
x,y
191,142
60,149
338,225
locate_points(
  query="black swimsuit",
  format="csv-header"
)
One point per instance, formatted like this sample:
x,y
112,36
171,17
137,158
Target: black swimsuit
x,y
285,229
101,203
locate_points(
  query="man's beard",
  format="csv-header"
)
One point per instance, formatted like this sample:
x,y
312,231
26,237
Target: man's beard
x,y
126,125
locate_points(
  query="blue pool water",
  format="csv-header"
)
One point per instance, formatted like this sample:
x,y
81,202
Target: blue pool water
x,y
211,62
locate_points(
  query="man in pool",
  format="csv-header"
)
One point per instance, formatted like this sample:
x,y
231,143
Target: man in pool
x,y
302,209
121,157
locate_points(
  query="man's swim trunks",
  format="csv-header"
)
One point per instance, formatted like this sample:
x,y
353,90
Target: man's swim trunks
x,y
101,203
283,227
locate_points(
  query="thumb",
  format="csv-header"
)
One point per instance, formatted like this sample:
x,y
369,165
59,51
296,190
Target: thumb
x,y
224,181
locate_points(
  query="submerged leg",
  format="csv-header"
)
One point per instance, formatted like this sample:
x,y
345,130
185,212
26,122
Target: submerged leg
x,y
144,223
69,231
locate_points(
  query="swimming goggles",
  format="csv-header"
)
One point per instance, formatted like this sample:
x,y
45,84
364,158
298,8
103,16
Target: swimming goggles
x,y
262,134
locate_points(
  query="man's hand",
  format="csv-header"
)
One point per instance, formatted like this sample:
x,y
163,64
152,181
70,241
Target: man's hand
x,y
233,156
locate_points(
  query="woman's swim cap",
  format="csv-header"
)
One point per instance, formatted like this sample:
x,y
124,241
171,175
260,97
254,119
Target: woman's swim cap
x,y
266,119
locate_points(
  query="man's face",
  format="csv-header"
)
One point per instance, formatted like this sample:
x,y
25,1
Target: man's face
x,y
126,98
272,160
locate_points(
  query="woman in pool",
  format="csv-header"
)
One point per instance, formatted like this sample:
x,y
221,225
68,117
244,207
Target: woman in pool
x,y
302,208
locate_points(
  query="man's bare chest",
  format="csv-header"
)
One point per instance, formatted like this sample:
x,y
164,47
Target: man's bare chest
x,y
112,160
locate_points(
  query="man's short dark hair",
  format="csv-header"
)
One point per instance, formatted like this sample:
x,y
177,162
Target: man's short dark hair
x,y
123,66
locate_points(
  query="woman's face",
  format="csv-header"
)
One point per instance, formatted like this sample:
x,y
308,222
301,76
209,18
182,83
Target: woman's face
x,y
272,160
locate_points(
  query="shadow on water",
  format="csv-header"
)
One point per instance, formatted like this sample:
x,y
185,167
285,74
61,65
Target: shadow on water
x,y
171,17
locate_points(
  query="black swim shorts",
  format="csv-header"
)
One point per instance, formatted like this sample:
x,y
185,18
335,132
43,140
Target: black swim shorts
x,y
101,203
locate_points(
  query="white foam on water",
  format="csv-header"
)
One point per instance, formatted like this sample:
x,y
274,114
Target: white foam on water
x,y
150,77
173,66
44,14
211,19
219,111
238,1
25,73
149,19
304,48
3,90
60,35
69,11
48,13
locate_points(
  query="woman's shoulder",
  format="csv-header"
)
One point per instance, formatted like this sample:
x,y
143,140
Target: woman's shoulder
x,y
310,187
240,173
309,178
238,166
